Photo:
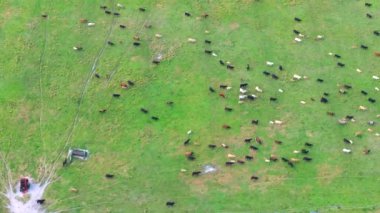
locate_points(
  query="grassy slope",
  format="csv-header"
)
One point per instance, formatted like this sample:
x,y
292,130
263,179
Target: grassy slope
x,y
146,156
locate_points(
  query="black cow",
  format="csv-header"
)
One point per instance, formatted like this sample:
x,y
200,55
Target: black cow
x,y
41,201
337,56
340,64
240,161
363,46
371,100
221,62
230,66
97,75
207,41
208,52
248,157
324,100
191,157
144,110
284,159
110,176
116,14
170,203
187,142
229,163
253,147
136,44
296,32
345,140
122,26
155,118
229,109
308,144
297,19
278,142
320,80
212,146
304,151
107,12
272,99
103,7
142,9
364,92
103,110
307,158
187,14
170,103
243,85
274,76
281,68
346,86
256,122
349,117
248,140
211,89
44,16
196,173
223,86
376,32
266,73
116,95
326,94
110,43
248,67
369,15
254,177
368,4
155,61
290,164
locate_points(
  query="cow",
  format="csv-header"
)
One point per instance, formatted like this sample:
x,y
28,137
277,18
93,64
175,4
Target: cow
x,y
248,157
116,95
347,141
366,151
208,52
97,75
170,203
371,100
242,85
207,41
348,151
304,151
240,161
296,32
349,117
369,15
103,110
346,86
256,122
116,14
110,43
308,144
363,46
211,89
78,48
337,56
204,15
371,123
331,113
274,76
320,80
222,95
273,158
254,177
228,109
272,99
253,147
44,15
155,61
212,146
230,163
248,140
230,66
281,68
103,7
40,201
368,4
187,142
297,19
191,157
107,12
326,94
144,110
155,118
278,142
307,159
259,140
284,159
324,100
225,146
196,173
269,63
290,164
340,64
187,14
223,86
109,176
266,73
221,62
136,44
65,162
225,126
141,9
248,67
376,32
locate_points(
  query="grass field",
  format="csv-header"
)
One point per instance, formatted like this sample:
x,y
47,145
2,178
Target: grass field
x,y
42,80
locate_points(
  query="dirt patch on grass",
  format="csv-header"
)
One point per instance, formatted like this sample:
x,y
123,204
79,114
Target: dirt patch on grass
x,y
234,26
327,173
23,113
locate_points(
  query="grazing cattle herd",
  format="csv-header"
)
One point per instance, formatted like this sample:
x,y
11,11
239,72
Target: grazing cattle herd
x,y
246,94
